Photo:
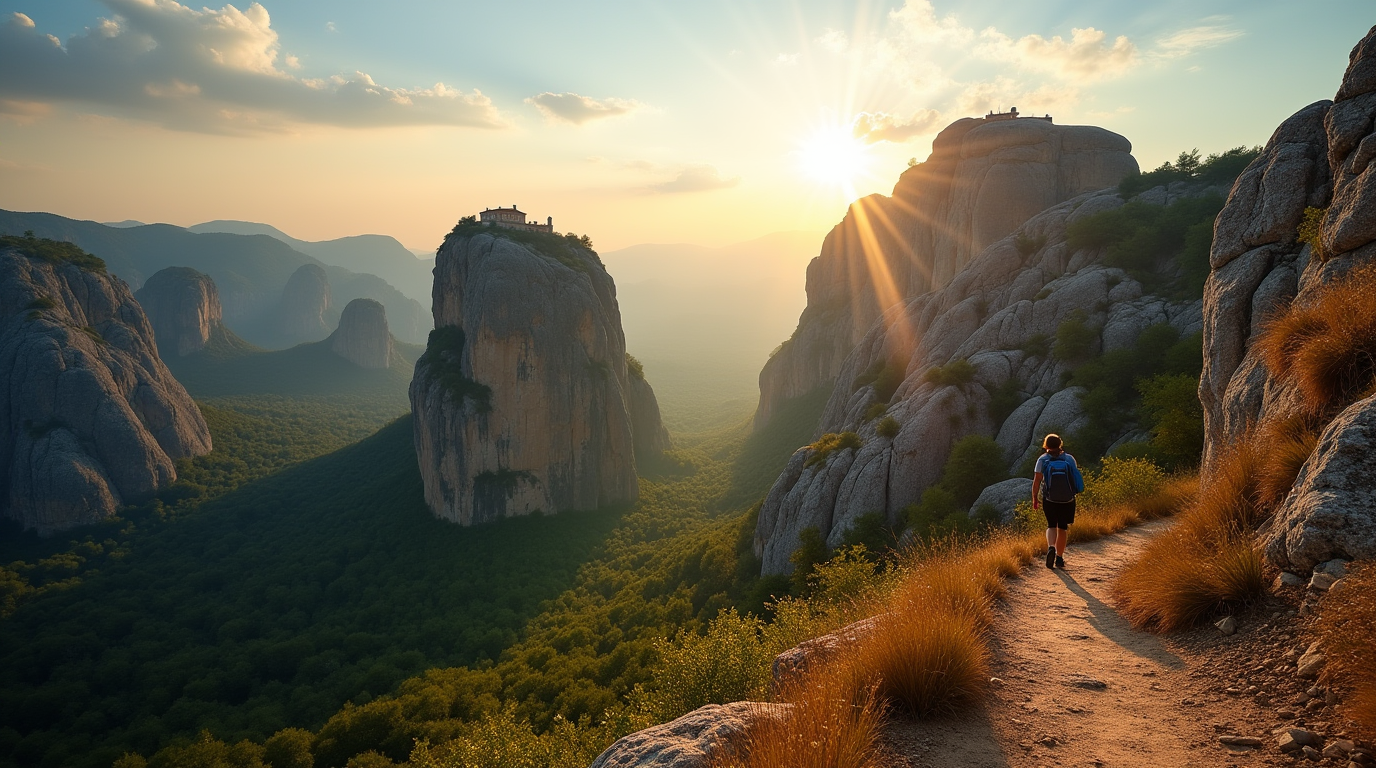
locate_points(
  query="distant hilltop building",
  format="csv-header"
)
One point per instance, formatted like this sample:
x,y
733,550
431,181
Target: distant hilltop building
x,y
1012,114
511,218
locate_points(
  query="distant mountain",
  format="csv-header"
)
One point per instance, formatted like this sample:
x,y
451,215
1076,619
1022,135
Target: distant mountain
x,y
380,255
250,271
305,370
703,320
127,223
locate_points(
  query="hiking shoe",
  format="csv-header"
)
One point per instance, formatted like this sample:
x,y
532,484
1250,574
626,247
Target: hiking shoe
x,y
1050,557
1060,562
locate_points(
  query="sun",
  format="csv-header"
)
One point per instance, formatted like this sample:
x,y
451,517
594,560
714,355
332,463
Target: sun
x,y
832,156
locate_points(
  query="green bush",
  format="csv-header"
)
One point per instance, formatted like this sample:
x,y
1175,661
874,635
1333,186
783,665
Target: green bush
x,y
888,427
1074,338
726,664
1164,247
1028,245
1310,231
956,373
634,367
1171,410
874,411
811,551
1004,399
825,445
872,532
976,463
52,251
1217,169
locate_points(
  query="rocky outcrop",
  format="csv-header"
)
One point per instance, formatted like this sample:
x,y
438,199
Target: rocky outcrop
x,y
651,436
522,400
305,305
997,315
1319,158
1004,497
699,739
983,180
183,307
93,419
362,337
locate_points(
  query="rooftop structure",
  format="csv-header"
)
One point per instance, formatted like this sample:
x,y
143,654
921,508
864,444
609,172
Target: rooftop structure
x,y
1012,114
513,218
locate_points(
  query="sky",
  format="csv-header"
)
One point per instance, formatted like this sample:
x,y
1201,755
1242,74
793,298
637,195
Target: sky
x,y
654,121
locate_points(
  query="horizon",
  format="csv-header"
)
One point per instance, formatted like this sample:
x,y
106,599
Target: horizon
x,y
328,121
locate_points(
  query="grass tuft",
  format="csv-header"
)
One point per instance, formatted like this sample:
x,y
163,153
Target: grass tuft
x,y
831,722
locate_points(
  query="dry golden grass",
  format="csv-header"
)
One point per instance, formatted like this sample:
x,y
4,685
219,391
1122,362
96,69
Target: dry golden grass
x,y
1327,346
1347,622
1098,522
1207,560
1287,444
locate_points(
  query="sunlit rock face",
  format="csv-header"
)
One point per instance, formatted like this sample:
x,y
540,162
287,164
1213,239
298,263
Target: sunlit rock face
x,y
362,337
183,307
92,418
1320,158
522,401
983,180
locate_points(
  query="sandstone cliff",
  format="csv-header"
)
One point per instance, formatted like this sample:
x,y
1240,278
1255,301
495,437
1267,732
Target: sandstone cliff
x,y
982,180
651,437
522,400
995,315
183,306
305,305
362,337
1319,159
93,419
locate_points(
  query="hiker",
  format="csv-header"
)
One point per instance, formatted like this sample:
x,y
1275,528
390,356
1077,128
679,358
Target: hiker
x,y
1054,484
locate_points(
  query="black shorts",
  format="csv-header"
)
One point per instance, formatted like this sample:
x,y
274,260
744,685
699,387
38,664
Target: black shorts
x,y
1059,514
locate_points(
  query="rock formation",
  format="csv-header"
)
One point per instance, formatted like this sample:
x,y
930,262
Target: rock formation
x,y
305,304
362,337
982,180
522,400
651,438
93,419
1319,158
993,314
183,307
698,739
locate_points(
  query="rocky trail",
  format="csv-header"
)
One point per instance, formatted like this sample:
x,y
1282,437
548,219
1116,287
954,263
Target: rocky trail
x,y
1078,686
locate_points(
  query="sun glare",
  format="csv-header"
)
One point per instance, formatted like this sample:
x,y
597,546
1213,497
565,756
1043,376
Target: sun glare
x,y
834,157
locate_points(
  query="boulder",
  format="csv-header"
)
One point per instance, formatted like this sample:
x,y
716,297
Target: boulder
x,y
983,180
792,663
1331,510
183,307
1004,497
93,419
362,337
1016,432
1063,412
698,739
522,400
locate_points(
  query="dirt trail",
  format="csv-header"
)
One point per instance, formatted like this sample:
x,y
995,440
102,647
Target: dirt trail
x,y
1081,687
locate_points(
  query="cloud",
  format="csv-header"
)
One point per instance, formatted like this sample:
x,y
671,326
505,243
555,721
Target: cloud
x,y
787,59
209,70
575,109
330,27
833,40
696,178
1192,39
881,126
1086,55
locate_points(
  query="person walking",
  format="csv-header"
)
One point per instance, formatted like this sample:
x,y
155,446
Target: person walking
x,y
1055,482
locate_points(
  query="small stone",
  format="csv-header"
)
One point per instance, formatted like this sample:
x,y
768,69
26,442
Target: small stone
x,y
1240,741
1229,691
1338,586
1314,704
1314,692
1089,683
1048,741
1338,749
1322,581
1289,580
1312,754
1336,568
1227,625
1330,698
1310,665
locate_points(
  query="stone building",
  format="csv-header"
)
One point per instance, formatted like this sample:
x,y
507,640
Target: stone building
x,y
512,218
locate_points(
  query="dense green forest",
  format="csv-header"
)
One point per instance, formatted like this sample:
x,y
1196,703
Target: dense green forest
x,y
251,598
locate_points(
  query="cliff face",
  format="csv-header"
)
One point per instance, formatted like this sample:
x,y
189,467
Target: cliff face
x,y
183,307
982,180
93,419
522,400
651,438
305,303
994,314
362,337
1320,158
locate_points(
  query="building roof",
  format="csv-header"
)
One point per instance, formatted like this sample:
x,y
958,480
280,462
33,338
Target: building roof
x,y
512,209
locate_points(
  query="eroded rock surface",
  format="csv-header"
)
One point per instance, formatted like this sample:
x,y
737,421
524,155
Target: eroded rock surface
x,y
183,307
692,741
983,180
522,400
93,419
362,337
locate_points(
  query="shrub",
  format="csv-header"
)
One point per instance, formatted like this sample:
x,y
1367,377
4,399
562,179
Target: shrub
x,y
1347,623
1326,347
811,551
1310,231
1074,338
1037,345
1216,169
976,463
726,664
289,748
874,411
501,740
888,427
956,373
823,447
1027,244
1172,411
52,251
1161,246
634,368
872,532
1004,399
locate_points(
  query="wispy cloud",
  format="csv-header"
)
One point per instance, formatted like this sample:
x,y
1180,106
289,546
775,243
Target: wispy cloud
x,y
577,110
209,70
696,178
881,126
1192,39
1088,54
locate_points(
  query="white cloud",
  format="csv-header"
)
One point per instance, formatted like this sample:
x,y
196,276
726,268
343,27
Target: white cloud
x,y
881,126
330,27
787,59
1192,39
696,178
1086,55
833,40
209,70
575,109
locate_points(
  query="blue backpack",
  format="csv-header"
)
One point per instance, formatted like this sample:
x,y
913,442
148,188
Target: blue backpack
x,y
1060,481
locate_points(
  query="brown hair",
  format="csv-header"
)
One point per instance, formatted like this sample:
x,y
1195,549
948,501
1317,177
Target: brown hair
x,y
1052,443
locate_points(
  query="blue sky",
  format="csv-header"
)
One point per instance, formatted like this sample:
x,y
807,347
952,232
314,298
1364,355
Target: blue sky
x,y
708,122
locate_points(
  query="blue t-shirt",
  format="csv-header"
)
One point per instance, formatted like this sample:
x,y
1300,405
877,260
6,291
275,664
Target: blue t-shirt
x,y
1041,464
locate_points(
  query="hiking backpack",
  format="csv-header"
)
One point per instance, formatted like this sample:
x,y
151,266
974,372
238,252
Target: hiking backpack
x,y
1060,486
